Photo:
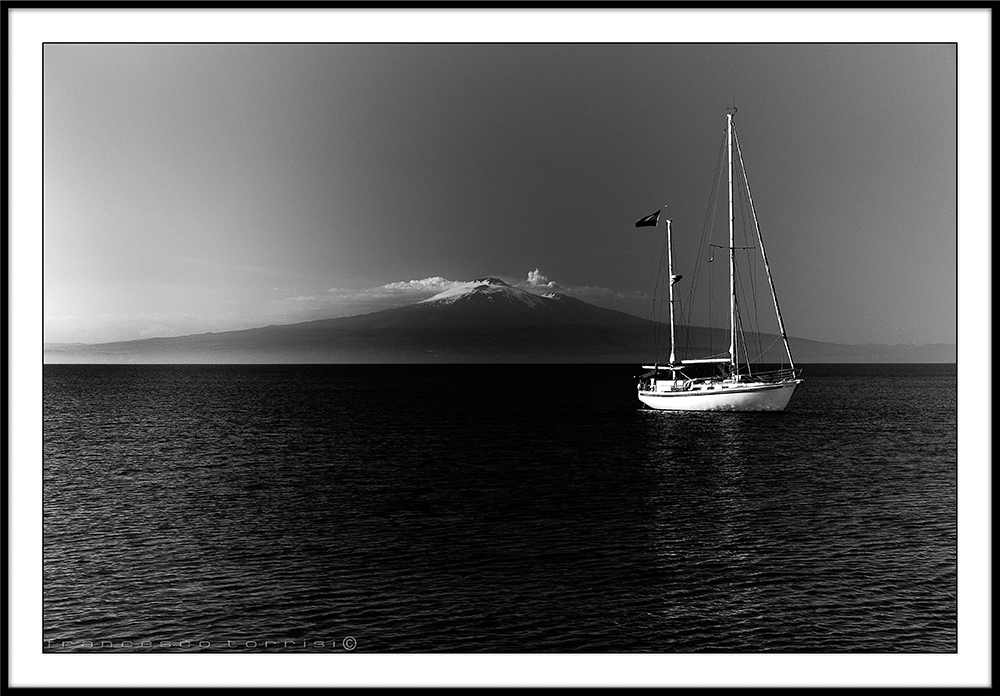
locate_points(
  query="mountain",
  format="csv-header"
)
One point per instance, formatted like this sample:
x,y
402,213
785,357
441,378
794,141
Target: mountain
x,y
484,320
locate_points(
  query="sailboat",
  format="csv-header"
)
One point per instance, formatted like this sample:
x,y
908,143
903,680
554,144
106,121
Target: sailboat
x,y
733,383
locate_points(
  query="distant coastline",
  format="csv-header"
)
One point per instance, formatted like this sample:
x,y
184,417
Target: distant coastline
x,y
197,350
482,321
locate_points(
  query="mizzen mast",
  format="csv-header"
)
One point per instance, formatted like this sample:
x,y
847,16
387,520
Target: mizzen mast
x,y
671,280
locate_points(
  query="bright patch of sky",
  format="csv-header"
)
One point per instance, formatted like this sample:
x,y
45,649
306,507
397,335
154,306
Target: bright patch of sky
x,y
193,188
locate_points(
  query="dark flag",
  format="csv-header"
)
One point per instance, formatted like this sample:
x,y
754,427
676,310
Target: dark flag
x,y
649,220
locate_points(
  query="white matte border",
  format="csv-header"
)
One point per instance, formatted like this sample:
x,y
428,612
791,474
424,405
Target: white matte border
x,y
29,28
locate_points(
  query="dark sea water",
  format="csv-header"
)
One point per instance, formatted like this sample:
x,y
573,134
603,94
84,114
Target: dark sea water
x,y
512,508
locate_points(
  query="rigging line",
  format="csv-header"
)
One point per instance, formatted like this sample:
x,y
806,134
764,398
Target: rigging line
x,y
707,226
654,278
769,347
660,289
742,293
686,342
750,263
711,299
751,297
763,257
739,294
746,355
747,220
697,270
657,293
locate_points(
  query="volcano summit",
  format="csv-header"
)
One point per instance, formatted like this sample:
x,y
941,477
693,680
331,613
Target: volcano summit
x,y
481,321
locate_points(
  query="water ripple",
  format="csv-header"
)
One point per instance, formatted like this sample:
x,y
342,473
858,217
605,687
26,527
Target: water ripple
x,y
229,509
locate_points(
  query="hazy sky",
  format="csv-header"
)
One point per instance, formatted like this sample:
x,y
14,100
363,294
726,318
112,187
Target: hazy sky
x,y
191,188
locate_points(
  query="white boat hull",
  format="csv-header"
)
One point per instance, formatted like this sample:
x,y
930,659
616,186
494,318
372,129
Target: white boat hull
x,y
761,396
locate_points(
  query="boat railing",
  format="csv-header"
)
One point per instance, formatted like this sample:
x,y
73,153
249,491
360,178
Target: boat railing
x,y
784,375
646,384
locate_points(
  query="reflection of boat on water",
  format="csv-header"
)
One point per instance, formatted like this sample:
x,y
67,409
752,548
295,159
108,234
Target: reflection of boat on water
x,y
736,381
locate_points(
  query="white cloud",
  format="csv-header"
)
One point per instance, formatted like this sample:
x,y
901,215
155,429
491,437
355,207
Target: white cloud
x,y
537,279
340,302
434,284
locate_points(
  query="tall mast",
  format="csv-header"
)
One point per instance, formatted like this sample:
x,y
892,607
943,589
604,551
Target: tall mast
x,y
732,246
670,280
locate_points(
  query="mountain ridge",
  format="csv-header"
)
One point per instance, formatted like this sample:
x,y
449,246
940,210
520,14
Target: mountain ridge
x,y
484,320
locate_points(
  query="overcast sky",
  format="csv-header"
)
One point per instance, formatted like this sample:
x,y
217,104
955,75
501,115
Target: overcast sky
x,y
194,188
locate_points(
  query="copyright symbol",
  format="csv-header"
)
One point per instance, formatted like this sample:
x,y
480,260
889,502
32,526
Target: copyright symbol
x,y
350,643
